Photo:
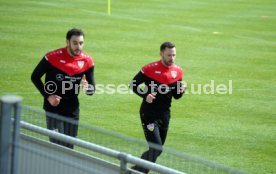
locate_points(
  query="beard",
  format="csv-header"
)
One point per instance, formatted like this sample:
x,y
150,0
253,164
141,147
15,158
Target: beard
x,y
75,52
167,63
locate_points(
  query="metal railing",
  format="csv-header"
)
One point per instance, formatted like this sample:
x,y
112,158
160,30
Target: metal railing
x,y
123,157
109,148
10,107
9,146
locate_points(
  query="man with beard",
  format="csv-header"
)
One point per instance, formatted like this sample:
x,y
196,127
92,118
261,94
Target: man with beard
x,y
64,70
162,81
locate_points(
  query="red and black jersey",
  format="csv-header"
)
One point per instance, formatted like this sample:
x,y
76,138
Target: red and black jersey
x,y
164,81
70,65
63,74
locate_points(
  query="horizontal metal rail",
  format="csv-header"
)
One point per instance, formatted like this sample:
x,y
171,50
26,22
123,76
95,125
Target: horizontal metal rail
x,y
123,157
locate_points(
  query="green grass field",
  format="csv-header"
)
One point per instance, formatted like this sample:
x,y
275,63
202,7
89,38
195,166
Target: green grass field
x,y
216,40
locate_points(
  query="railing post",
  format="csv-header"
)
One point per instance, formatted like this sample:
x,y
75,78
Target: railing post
x,y
8,152
123,163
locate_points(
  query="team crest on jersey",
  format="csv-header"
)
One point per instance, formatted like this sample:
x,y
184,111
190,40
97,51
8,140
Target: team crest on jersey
x,y
150,127
174,74
80,63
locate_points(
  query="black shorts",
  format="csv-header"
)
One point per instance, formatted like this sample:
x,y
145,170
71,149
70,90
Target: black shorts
x,y
155,126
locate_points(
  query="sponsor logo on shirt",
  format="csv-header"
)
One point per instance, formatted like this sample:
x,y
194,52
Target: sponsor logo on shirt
x,y
59,77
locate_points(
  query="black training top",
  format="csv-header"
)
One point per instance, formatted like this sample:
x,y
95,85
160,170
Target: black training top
x,y
63,76
161,80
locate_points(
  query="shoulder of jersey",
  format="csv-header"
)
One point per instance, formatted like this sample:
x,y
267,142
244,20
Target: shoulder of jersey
x,y
178,69
153,65
61,54
87,58
149,67
54,54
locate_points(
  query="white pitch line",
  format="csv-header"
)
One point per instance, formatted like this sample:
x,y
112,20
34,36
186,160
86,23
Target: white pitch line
x,y
11,93
129,18
186,27
94,12
47,3
216,32
250,89
115,16
251,38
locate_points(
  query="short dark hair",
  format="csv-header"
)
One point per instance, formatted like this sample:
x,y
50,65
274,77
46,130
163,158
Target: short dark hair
x,y
166,45
74,32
